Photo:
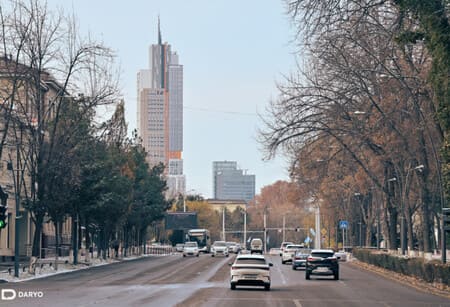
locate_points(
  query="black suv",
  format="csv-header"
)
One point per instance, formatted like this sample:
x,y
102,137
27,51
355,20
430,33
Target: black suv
x,y
322,262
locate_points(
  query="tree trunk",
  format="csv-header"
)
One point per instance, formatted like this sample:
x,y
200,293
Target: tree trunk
x,y
74,234
410,231
37,237
56,244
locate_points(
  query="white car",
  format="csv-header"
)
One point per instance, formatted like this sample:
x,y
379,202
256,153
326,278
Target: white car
x,y
289,251
233,247
219,248
283,245
190,249
256,246
179,247
250,270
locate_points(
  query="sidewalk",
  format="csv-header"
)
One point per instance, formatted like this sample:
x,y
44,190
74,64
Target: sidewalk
x,y
46,267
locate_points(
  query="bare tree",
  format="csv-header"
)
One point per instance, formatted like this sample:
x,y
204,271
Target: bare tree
x,y
367,91
51,63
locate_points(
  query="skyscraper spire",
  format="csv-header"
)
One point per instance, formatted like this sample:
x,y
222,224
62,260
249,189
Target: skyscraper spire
x,y
159,32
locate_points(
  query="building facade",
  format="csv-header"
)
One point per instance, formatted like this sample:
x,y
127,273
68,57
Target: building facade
x,y
160,113
18,90
231,183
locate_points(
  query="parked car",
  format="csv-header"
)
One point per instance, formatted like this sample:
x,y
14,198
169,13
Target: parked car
x,y
283,245
256,246
179,247
289,251
219,248
233,247
250,270
299,259
322,262
190,249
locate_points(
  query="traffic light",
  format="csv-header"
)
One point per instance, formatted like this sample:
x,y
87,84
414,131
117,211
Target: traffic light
x,y
3,216
446,219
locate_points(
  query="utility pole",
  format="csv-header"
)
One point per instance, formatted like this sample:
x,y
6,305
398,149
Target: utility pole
x,y
284,228
245,227
317,238
265,232
16,180
223,223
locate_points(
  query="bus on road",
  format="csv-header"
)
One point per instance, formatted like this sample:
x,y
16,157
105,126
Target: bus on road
x,y
202,237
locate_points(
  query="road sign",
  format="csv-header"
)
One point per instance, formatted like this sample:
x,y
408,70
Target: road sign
x,y
343,224
323,231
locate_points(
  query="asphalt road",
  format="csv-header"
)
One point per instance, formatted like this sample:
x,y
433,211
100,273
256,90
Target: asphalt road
x,y
204,281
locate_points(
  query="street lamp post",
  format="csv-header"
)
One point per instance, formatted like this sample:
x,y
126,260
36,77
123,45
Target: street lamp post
x,y
223,223
265,232
16,181
245,227
317,238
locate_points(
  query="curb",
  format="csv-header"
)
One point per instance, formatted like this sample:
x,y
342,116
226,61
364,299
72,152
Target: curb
x,y
410,281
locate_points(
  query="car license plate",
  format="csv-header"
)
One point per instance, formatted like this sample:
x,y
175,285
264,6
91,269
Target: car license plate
x,y
250,276
322,269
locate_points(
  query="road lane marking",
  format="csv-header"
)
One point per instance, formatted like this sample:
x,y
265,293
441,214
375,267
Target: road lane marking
x,y
283,280
297,303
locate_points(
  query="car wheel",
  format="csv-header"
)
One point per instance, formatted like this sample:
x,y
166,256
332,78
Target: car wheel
x,y
307,275
212,255
233,286
227,255
198,255
336,275
283,262
294,268
267,287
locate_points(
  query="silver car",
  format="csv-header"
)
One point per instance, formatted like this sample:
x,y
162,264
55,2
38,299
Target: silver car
x,y
219,248
190,249
250,270
233,247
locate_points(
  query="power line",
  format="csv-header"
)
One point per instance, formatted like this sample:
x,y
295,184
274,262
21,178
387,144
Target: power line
x,y
219,111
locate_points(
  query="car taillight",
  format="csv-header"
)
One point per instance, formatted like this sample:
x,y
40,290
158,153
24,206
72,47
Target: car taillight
x,y
233,267
310,258
333,259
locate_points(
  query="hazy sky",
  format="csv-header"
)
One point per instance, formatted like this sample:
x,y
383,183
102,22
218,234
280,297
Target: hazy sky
x,y
233,52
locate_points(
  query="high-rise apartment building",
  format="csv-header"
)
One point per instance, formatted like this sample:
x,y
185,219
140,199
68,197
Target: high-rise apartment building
x,y
231,183
160,112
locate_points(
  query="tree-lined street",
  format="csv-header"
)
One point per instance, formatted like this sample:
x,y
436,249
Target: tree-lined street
x,y
204,281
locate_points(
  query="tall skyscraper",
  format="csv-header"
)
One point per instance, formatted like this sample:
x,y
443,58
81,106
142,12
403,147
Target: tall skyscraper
x,y
160,112
231,183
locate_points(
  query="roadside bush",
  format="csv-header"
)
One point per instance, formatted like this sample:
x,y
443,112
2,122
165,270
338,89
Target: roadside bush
x,y
429,271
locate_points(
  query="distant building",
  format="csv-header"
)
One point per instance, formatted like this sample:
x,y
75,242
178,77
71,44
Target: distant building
x,y
160,113
231,183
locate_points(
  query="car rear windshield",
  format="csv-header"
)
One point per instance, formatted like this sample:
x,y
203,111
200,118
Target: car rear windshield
x,y
220,244
250,261
294,246
322,255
